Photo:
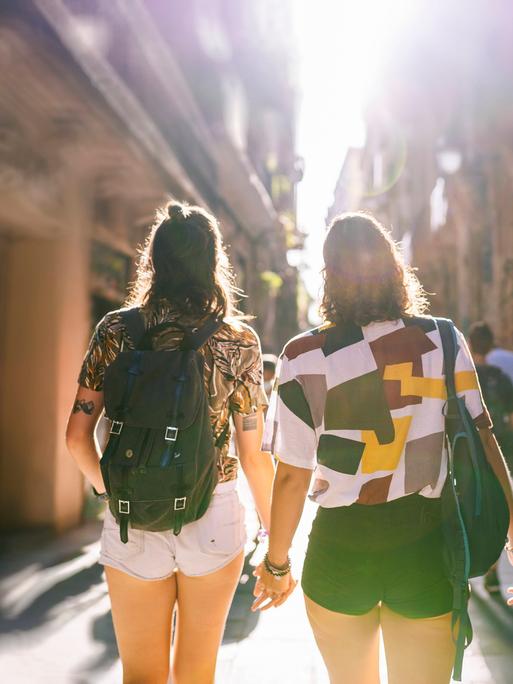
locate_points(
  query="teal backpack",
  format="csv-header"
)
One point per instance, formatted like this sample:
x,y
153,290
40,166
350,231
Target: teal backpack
x,y
475,514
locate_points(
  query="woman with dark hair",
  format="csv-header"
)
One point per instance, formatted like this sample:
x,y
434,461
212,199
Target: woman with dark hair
x,y
360,401
184,278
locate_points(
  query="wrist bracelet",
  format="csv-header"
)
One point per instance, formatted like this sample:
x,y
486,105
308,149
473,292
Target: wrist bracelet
x,y
509,547
274,571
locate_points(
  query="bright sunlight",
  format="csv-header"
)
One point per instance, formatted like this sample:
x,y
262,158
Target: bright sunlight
x,y
341,46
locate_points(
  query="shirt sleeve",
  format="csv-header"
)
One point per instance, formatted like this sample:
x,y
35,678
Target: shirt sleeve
x,y
249,394
467,384
289,430
103,348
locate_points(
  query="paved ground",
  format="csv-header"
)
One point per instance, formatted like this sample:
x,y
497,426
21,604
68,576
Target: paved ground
x,y
56,625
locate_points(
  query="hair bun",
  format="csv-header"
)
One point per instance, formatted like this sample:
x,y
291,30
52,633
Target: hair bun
x,y
175,210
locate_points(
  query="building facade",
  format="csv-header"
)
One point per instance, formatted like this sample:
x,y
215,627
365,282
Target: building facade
x,y
106,111
437,164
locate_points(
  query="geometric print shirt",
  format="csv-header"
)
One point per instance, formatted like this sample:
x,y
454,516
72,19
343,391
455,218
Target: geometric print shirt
x,y
232,370
363,407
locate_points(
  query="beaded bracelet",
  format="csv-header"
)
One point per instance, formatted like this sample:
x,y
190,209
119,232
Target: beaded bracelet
x,y
273,570
509,547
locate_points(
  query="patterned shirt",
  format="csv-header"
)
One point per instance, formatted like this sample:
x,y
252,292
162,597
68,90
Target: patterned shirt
x,y
233,367
363,406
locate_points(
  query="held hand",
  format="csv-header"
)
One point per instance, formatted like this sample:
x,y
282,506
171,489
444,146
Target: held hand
x,y
274,590
270,582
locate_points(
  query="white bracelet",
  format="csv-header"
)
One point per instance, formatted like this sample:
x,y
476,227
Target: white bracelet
x,y
509,547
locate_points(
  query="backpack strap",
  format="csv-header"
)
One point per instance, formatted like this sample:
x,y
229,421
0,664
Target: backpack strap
x,y
192,341
448,335
196,338
461,625
134,324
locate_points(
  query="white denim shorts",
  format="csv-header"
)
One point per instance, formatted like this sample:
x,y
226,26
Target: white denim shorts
x,y
202,547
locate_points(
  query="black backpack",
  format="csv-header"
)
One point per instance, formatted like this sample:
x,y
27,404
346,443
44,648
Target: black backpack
x,y
159,466
475,513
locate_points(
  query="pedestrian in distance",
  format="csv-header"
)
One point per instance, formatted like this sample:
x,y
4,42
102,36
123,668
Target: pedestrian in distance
x,y
360,402
496,386
497,356
181,311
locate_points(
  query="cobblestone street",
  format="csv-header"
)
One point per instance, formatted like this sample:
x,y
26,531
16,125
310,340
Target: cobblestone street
x,y
56,625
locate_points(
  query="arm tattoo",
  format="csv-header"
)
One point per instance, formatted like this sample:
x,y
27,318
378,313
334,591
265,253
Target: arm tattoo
x,y
249,423
86,406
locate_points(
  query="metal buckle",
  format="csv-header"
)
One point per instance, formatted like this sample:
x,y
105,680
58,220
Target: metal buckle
x,y
180,503
116,427
124,507
171,434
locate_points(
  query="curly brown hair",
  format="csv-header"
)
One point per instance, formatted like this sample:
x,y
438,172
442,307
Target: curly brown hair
x,y
184,262
365,277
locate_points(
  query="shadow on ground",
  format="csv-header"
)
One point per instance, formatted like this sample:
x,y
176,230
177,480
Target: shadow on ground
x,y
52,603
56,593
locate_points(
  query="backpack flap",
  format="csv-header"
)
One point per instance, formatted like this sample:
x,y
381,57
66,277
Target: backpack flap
x,y
152,379
142,387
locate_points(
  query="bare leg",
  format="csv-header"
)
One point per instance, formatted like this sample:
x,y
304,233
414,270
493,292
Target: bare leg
x,y
142,613
417,651
203,605
349,644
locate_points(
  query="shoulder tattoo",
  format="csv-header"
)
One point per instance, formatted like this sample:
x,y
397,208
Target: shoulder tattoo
x,y
249,423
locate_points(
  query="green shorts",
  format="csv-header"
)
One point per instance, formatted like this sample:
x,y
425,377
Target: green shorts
x,y
359,556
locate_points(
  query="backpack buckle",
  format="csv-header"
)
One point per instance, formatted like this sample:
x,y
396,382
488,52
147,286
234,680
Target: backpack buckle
x,y
180,503
124,507
116,427
171,434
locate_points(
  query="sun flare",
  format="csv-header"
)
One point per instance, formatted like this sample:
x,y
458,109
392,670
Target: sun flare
x,y
341,44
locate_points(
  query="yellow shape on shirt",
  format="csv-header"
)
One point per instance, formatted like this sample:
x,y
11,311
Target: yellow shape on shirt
x,y
434,388
465,381
378,456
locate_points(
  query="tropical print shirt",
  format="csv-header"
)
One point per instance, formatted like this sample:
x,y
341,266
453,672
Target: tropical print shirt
x,y
233,367
363,406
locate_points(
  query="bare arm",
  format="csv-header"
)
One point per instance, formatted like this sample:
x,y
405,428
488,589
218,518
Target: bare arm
x,y
289,494
80,438
258,466
496,460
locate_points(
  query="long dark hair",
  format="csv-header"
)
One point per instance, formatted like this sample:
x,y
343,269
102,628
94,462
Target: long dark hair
x,y
365,277
184,262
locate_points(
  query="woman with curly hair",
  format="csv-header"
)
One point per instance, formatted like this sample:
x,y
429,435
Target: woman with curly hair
x,y
360,402
184,279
